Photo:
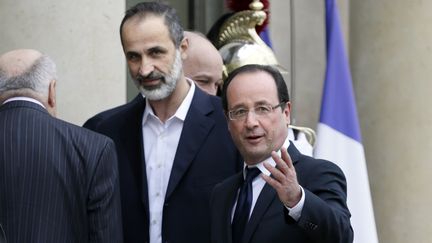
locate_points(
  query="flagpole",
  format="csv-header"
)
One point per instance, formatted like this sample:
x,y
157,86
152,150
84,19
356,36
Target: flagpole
x,y
292,62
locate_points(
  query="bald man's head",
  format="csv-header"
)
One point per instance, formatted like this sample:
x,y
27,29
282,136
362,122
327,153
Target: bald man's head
x,y
203,63
28,73
17,62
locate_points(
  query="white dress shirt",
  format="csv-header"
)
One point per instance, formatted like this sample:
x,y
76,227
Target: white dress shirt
x,y
160,145
25,99
258,184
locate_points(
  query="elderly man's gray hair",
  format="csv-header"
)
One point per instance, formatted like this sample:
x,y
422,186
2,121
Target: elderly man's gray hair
x,y
36,78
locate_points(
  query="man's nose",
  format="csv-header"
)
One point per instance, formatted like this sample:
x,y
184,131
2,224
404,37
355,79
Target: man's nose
x,y
251,119
145,68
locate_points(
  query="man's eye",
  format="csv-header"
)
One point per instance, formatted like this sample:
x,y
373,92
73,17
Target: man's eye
x,y
156,52
132,57
262,109
203,81
240,112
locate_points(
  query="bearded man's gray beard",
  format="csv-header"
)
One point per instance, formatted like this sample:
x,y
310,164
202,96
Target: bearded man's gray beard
x,y
168,81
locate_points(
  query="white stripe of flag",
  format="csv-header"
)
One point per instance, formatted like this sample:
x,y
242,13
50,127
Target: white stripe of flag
x,y
338,132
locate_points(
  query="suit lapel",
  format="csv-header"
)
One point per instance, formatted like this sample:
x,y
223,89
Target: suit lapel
x,y
133,141
227,206
196,127
266,197
294,153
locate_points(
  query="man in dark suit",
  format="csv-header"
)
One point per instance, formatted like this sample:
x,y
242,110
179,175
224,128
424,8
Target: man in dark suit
x,y
58,181
297,198
173,145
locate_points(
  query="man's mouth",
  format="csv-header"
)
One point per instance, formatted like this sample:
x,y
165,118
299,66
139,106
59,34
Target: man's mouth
x,y
254,138
150,80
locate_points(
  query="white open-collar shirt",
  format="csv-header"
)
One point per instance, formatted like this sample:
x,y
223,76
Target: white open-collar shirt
x,y
160,145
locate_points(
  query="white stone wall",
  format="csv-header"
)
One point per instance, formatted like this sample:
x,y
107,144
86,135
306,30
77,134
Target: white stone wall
x,y
391,59
83,39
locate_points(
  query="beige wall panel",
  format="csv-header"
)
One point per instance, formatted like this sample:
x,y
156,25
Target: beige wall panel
x,y
391,57
308,50
82,37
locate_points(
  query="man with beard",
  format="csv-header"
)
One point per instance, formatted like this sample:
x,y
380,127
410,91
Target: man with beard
x,y
172,140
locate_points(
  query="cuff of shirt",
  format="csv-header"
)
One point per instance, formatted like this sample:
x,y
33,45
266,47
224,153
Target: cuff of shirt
x,y
295,212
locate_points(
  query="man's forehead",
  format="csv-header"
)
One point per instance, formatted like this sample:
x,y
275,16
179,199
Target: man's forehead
x,y
146,17
152,32
255,81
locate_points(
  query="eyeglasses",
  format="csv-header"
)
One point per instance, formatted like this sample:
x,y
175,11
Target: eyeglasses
x,y
260,111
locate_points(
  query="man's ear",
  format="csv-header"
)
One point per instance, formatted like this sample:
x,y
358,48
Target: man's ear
x,y
287,112
184,45
52,98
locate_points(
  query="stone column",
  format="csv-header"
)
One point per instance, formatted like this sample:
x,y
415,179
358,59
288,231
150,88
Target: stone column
x,y
83,39
391,60
300,47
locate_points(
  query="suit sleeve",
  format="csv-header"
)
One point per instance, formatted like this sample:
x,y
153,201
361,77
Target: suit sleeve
x,y
325,216
104,199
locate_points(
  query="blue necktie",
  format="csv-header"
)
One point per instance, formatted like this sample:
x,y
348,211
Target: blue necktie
x,y
244,202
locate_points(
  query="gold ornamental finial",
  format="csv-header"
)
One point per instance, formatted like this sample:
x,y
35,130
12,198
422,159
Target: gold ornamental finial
x,y
239,43
241,26
256,5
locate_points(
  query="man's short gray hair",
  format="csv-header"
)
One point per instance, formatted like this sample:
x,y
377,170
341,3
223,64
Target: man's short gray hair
x,y
37,78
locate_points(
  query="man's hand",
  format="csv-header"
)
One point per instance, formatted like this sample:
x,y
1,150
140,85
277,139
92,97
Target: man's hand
x,y
284,179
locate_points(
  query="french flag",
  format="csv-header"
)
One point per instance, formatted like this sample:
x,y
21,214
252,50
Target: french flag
x,y
338,131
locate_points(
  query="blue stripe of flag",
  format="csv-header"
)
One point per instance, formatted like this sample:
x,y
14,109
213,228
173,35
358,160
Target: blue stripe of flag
x,y
265,36
338,109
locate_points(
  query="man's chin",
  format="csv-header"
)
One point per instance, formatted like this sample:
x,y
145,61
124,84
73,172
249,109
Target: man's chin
x,y
155,94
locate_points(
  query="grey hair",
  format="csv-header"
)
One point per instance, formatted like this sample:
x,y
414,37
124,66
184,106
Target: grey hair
x,y
36,78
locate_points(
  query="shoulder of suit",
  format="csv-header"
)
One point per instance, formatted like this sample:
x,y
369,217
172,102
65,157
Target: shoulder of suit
x,y
308,162
117,113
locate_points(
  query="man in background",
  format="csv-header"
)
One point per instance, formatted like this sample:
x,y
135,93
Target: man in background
x,y
172,139
203,63
58,181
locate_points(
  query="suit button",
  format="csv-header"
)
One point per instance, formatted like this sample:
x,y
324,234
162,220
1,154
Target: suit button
x,y
312,226
166,204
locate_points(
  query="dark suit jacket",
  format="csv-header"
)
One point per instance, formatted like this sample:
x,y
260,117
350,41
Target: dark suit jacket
x,y
2,235
58,181
325,216
205,156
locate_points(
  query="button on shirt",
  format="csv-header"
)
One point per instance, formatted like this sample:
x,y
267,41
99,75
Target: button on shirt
x,y
160,145
258,184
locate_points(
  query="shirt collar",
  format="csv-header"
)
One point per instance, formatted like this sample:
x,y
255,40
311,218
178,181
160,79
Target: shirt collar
x,y
181,111
24,99
269,160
